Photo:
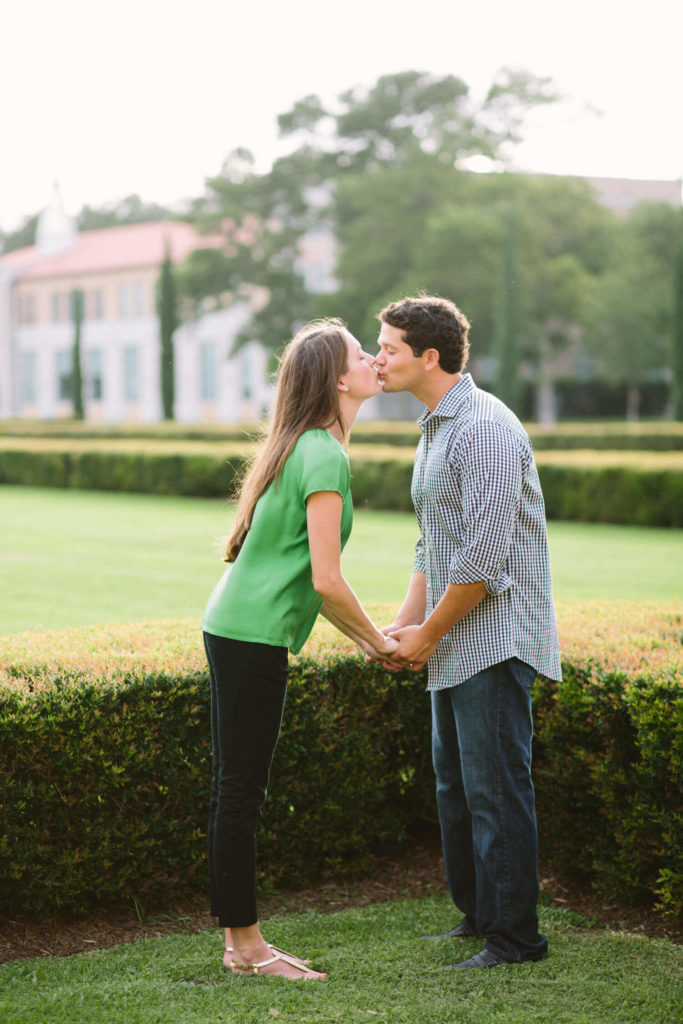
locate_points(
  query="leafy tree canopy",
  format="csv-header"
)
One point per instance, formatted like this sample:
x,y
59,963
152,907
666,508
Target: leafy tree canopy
x,y
374,169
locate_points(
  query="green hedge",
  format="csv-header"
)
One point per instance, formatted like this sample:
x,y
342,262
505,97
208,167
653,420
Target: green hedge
x,y
104,785
576,486
105,762
611,494
646,436
201,475
609,781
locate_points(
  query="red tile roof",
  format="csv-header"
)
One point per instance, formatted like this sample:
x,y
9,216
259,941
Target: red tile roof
x,y
121,248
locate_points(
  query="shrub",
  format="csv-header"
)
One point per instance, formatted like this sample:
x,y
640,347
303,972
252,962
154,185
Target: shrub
x,y
613,487
104,772
104,760
659,435
612,494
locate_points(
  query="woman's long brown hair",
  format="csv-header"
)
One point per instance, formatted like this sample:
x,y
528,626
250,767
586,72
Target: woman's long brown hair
x,y
307,397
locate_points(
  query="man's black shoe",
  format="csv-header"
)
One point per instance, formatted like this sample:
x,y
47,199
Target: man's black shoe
x,y
483,959
461,931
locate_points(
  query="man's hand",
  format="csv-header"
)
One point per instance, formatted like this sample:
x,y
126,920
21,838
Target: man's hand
x,y
382,652
414,647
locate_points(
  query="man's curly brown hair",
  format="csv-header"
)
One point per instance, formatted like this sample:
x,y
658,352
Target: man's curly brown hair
x,y
429,321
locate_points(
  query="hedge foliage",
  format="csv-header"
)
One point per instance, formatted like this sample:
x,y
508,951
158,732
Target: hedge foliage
x,y
105,766
105,761
614,436
644,488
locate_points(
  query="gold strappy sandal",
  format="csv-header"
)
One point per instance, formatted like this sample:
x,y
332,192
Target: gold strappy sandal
x,y
229,949
239,968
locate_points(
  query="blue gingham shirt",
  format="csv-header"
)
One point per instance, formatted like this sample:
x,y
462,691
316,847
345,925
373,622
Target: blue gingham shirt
x,y
480,508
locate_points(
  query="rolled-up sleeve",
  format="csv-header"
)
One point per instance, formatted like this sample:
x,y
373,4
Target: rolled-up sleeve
x,y
491,494
420,560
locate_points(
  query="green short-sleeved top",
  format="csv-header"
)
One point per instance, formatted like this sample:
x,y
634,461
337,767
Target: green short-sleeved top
x,y
266,595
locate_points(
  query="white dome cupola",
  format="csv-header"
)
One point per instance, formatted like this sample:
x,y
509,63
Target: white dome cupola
x,y
56,231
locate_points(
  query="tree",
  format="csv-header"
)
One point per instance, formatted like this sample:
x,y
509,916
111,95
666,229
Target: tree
x,y
412,113
129,210
678,328
168,321
383,159
507,328
633,308
259,219
76,362
20,238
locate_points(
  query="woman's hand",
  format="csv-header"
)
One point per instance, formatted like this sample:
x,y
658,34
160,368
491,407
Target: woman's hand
x,y
381,651
386,647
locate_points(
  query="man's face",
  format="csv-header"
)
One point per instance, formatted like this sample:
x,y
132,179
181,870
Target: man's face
x,y
399,369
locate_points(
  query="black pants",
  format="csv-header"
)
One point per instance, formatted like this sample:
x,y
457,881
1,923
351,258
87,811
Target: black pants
x,y
248,686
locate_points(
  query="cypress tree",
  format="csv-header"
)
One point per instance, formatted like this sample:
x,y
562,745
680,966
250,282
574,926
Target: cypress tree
x,y
76,362
167,324
507,325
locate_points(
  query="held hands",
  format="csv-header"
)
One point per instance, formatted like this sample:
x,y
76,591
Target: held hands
x,y
382,651
409,648
414,648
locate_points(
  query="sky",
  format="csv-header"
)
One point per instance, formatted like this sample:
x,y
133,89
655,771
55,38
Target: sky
x,y
149,96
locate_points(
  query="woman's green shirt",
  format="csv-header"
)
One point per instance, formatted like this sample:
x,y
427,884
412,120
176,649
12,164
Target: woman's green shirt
x,y
266,595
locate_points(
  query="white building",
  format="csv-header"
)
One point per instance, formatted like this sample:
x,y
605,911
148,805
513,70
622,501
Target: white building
x,y
117,270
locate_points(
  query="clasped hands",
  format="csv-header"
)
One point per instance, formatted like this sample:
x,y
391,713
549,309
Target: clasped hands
x,y
405,647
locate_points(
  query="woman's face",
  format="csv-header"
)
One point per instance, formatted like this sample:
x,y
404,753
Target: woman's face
x,y
361,380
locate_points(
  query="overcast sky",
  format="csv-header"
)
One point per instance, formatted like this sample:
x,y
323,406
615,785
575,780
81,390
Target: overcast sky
x,y
148,96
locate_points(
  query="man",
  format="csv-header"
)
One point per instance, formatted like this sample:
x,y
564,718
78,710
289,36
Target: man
x,y
479,613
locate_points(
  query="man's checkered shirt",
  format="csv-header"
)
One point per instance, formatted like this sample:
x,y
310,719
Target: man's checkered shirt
x,y
480,508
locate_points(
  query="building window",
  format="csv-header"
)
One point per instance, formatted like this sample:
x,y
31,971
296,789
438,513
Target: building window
x,y
95,374
124,301
26,309
95,304
62,307
28,377
64,361
131,376
139,298
247,374
209,370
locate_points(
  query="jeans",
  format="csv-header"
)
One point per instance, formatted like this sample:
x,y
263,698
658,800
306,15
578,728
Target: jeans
x,y
248,687
481,746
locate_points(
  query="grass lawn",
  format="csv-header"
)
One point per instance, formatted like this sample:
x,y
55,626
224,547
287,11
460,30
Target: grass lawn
x,y
72,558
378,970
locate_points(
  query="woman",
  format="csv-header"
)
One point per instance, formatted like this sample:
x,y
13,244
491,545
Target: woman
x,y
293,518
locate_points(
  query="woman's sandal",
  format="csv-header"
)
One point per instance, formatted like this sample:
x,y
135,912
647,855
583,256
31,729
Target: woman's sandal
x,y
229,949
239,968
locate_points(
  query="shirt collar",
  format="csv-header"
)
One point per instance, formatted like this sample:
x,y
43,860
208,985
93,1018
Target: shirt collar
x,y
451,403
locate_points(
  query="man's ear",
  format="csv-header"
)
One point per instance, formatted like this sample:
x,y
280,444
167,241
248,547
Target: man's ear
x,y
431,358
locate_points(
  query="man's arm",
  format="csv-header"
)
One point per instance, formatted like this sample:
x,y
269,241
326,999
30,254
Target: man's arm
x,y
412,611
418,642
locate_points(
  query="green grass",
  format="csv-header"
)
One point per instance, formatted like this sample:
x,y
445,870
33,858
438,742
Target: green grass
x,y
73,558
378,970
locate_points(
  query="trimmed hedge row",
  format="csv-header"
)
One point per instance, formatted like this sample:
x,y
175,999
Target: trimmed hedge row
x,y
589,487
104,761
564,437
647,436
105,783
202,474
